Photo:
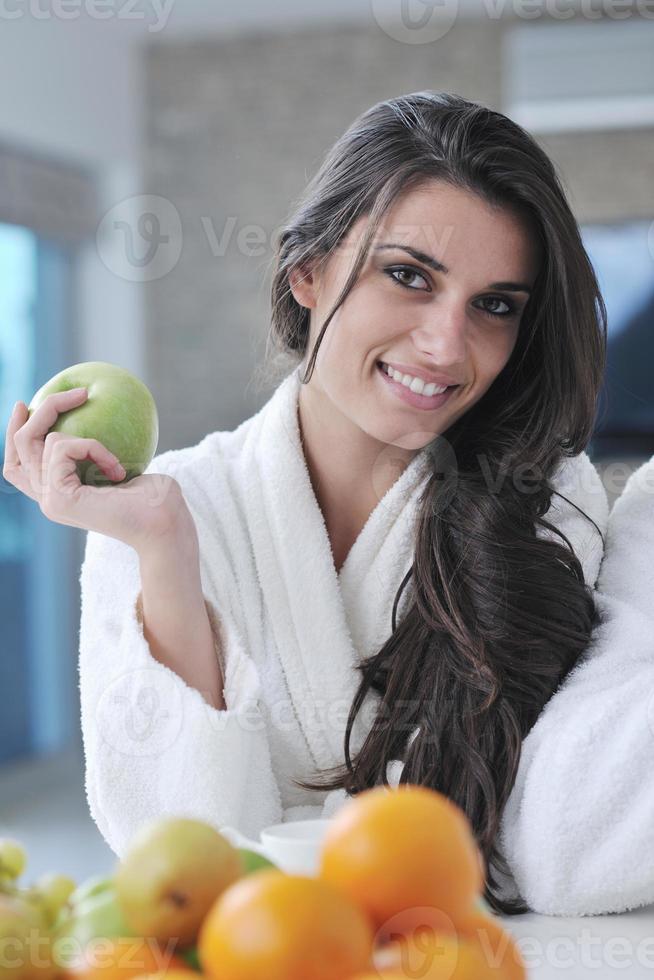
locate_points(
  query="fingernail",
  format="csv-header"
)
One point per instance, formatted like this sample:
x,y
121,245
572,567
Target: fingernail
x,y
15,408
77,391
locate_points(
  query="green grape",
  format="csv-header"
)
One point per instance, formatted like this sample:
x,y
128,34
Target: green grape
x,y
6,883
53,891
13,858
31,897
25,952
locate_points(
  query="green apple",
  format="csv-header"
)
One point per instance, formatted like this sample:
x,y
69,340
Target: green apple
x,y
96,916
253,861
119,411
90,886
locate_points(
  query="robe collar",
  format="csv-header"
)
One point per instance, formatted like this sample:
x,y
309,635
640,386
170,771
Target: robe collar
x,y
323,622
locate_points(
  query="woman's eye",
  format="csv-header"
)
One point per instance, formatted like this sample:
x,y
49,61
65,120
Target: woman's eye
x,y
406,271
508,311
410,274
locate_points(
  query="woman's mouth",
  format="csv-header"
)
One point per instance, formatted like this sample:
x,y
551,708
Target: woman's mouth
x,y
414,398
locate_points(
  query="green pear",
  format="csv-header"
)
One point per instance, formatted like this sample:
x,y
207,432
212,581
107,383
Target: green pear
x,y
170,876
25,946
96,916
253,861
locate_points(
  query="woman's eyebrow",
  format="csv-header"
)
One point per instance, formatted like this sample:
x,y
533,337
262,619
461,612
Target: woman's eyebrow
x,y
511,287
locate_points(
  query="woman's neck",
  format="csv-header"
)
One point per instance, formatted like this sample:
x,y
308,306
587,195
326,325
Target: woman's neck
x,y
349,471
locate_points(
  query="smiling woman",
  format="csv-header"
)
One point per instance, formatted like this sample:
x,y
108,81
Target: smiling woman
x,y
436,240
364,534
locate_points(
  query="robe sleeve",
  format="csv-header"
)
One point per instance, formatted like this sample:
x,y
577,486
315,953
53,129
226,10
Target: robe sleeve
x,y
578,828
153,746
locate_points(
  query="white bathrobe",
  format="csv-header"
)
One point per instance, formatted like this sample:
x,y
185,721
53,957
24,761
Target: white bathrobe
x,y
578,829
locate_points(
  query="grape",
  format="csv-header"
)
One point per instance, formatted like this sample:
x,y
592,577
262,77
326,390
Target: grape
x,y
25,950
29,898
12,858
6,883
53,891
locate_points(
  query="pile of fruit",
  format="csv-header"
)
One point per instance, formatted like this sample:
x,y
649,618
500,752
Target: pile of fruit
x,y
397,895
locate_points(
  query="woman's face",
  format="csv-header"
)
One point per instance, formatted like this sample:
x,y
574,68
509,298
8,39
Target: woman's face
x,y
403,311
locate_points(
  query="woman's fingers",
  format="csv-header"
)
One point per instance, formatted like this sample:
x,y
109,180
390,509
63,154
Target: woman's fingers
x,y
62,489
146,509
29,437
15,420
11,464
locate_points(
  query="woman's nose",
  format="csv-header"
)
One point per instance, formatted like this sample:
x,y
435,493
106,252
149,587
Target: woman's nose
x,y
443,335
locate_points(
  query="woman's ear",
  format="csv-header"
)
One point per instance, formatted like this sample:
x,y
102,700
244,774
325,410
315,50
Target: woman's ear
x,y
303,282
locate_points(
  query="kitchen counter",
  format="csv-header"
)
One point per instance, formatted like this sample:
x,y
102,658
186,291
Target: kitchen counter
x,y
598,946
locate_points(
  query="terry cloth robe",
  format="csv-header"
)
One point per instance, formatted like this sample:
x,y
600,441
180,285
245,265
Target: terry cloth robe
x,y
578,823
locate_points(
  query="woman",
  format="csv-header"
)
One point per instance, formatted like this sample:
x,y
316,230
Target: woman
x,y
366,582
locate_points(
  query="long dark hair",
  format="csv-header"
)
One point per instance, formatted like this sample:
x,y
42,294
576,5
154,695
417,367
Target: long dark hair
x,y
498,616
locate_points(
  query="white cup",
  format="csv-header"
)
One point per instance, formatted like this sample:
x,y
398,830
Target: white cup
x,y
295,846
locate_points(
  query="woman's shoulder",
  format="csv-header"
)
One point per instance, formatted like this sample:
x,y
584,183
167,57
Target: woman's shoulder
x,y
219,444
206,468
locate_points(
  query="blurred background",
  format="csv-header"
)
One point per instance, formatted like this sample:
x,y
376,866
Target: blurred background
x,y
149,151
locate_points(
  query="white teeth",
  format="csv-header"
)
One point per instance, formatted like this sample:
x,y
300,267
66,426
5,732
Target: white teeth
x,y
414,384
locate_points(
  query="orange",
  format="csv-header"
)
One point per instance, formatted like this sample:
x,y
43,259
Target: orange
x,y
283,927
406,856
172,974
427,953
439,958
498,946
123,958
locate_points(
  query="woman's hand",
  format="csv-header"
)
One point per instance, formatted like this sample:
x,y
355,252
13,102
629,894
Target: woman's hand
x,y
42,465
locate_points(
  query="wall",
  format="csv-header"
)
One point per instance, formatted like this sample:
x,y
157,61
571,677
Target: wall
x,y
235,129
71,90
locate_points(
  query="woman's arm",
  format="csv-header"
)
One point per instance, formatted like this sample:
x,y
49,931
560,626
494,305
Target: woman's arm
x,y
153,745
176,623
578,829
